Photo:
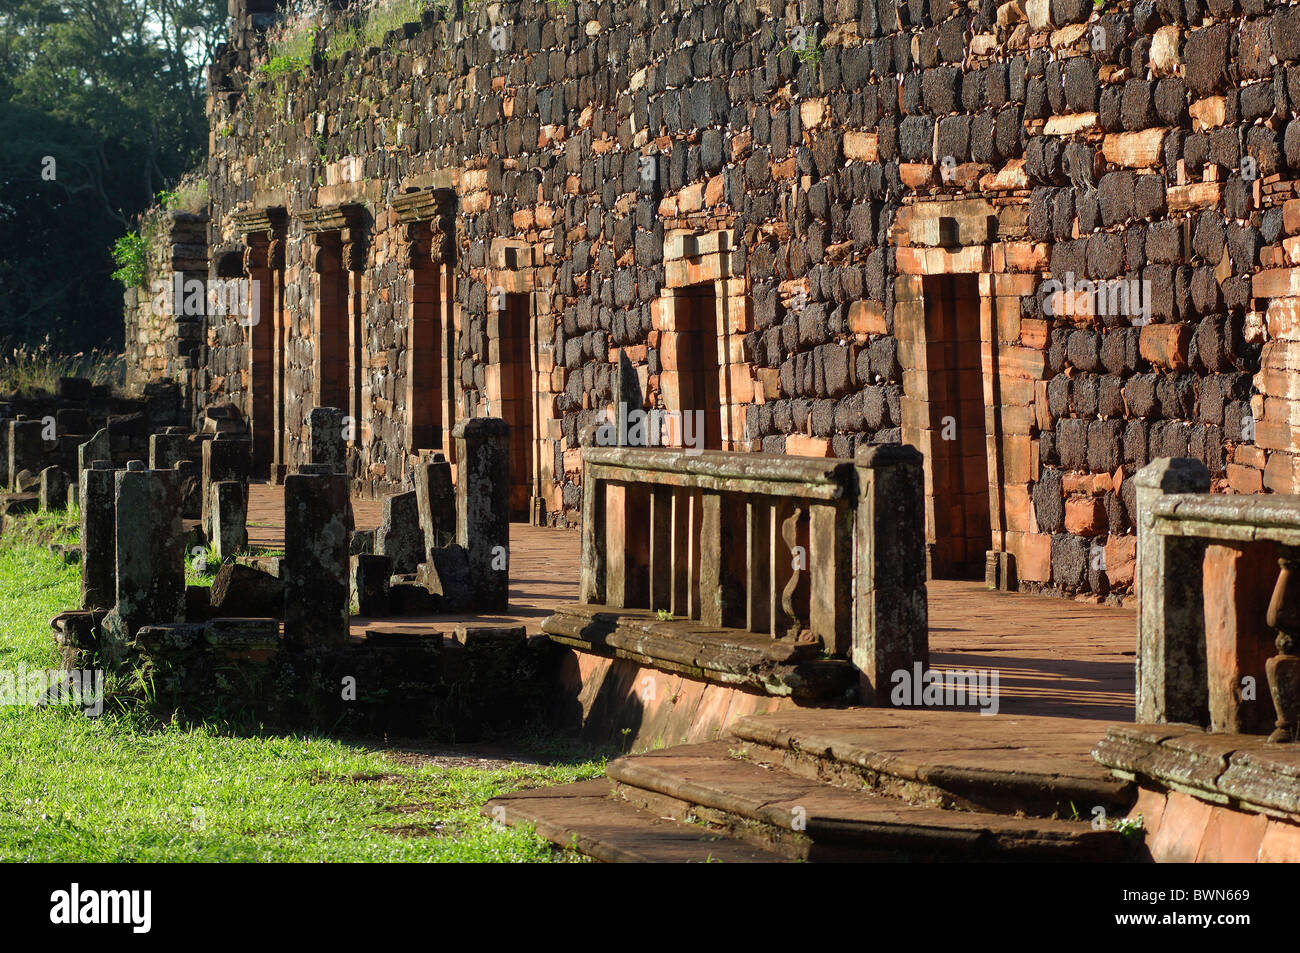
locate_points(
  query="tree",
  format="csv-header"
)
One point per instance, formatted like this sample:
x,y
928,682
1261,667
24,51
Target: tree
x,y
101,107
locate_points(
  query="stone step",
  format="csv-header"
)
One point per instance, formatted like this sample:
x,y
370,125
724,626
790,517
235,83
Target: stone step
x,y
585,817
1035,765
804,819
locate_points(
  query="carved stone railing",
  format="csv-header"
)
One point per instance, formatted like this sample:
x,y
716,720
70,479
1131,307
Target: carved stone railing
x,y
1177,519
785,560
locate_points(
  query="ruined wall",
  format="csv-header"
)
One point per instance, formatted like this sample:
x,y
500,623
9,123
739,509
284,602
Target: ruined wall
x,y
162,344
815,165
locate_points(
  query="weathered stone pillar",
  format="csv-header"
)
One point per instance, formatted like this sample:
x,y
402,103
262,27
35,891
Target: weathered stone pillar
x,y
436,500
98,536
483,506
150,550
167,449
229,511
369,585
1172,671
325,438
224,458
399,537
97,448
54,489
891,627
315,564
26,448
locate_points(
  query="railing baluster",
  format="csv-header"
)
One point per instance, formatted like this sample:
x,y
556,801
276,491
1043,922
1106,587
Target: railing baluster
x,y
830,559
758,573
681,553
661,548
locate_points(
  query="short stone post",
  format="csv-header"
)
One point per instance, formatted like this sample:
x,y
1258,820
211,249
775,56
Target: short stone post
x,y
483,507
369,584
229,510
315,563
150,550
891,630
399,537
1172,670
224,458
54,489
167,449
326,443
436,501
98,537
97,448
26,449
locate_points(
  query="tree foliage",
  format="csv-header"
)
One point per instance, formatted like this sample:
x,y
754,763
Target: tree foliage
x,y
101,107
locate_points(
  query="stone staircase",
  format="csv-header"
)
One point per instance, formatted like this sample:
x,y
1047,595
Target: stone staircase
x,y
850,785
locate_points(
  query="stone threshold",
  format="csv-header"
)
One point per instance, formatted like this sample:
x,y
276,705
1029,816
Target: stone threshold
x,y
1239,771
724,656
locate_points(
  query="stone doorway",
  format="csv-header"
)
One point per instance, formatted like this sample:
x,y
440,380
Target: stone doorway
x,y
693,345
958,463
516,400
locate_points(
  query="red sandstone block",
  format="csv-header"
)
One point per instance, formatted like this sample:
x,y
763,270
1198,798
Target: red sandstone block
x,y
1033,332
917,175
1178,839
862,146
1245,479
783,170
1232,837
1034,562
867,317
1085,516
1121,557
715,191
1165,345
1281,843
691,198
801,445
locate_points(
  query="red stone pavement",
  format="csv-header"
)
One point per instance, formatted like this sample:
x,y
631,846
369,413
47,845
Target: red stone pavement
x,y
1054,656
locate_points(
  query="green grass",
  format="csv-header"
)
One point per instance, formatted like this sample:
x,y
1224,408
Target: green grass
x,y
122,788
36,368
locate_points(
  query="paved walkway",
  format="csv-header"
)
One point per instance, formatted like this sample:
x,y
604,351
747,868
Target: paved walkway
x,y
1054,656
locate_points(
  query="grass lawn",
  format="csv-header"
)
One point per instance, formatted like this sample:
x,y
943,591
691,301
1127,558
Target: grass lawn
x,y
123,788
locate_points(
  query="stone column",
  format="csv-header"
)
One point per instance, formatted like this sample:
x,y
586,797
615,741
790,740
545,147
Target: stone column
x,y
97,449
891,616
436,500
54,489
229,512
224,458
399,537
483,506
26,449
167,449
150,549
325,438
1172,671
98,536
315,564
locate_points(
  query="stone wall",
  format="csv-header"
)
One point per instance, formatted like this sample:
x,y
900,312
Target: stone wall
x,y
798,175
162,344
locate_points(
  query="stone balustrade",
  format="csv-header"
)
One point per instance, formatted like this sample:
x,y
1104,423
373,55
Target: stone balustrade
x,y
1197,668
822,557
